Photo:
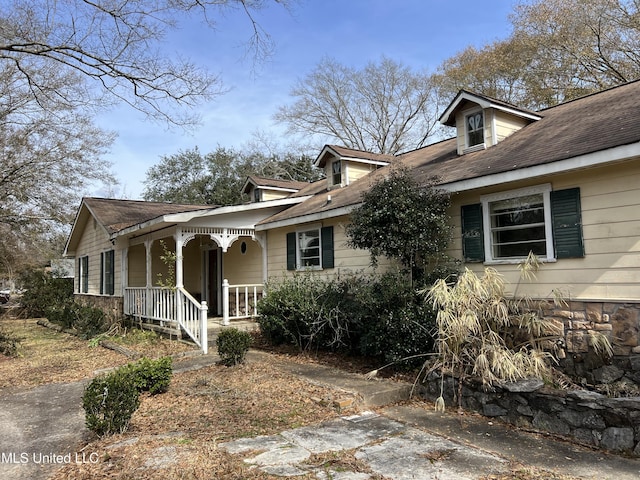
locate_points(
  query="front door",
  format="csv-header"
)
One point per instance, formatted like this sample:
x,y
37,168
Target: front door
x,y
214,274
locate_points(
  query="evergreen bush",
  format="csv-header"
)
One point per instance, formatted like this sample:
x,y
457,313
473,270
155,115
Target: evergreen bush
x,y
109,401
381,316
153,376
233,345
8,344
309,312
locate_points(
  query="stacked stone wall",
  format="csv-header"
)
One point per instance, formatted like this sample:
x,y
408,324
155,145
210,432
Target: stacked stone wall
x,y
587,416
581,323
113,307
584,416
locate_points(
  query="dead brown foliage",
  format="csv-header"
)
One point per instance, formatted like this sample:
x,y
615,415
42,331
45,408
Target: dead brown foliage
x,y
202,409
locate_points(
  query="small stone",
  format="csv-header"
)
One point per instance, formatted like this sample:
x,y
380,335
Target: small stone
x,y
493,410
617,439
342,404
525,385
607,374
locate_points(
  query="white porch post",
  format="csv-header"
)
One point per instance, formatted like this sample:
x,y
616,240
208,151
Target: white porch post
x,y
225,302
179,269
204,341
179,275
149,282
124,277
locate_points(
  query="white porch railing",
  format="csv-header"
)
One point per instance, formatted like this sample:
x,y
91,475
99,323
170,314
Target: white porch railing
x,y
240,301
170,306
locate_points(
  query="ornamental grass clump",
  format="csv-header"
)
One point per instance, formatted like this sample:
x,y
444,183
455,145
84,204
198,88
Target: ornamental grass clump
x,y
484,334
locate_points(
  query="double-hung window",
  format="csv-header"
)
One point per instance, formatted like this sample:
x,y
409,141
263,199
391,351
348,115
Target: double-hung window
x,y
336,173
518,222
475,129
83,274
310,248
107,270
507,226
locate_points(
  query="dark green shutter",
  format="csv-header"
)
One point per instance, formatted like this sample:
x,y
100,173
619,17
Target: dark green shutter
x,y
291,251
110,272
566,218
326,236
472,236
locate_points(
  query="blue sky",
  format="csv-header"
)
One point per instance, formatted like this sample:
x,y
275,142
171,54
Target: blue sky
x,y
417,33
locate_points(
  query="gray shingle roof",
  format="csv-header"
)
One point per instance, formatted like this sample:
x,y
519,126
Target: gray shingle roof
x,y
594,123
116,215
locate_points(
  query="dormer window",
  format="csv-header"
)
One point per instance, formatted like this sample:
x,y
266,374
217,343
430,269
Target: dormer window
x,y
336,173
256,194
475,129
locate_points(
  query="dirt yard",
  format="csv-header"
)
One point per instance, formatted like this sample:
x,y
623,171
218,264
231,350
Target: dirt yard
x,y
176,435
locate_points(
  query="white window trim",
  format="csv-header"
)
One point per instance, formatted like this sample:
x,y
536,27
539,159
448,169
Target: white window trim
x,y
103,272
485,200
82,274
308,228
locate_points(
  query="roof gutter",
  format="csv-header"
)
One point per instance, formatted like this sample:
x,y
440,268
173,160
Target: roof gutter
x,y
184,217
311,217
594,159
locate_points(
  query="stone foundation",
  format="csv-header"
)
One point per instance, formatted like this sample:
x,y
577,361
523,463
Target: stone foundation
x,y
581,322
113,307
584,416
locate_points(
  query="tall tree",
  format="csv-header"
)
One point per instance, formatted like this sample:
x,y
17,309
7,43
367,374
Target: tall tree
x,y
113,46
558,50
217,177
60,63
402,220
384,107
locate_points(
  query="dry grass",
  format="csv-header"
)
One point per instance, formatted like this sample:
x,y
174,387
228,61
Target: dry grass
x,y
522,472
46,356
202,409
177,435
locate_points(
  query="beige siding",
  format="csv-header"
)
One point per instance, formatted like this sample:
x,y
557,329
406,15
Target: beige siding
x,y
192,267
273,195
93,242
346,259
137,261
242,269
506,124
610,270
356,170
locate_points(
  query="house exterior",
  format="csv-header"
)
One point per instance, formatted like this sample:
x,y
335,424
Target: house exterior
x,y
563,182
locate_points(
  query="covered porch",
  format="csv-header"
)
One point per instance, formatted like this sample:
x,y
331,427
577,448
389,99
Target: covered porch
x,y
179,279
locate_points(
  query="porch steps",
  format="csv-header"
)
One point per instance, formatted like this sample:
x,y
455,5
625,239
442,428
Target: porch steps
x,y
215,326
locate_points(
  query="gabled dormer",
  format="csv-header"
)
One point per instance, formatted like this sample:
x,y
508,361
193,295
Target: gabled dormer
x,y
343,166
261,189
482,122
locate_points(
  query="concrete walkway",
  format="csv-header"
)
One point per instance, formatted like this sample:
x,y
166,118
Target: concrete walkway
x,y
42,426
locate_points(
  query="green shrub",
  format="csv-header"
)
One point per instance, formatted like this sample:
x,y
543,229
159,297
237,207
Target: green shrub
x,y
48,296
109,401
395,322
309,312
89,321
8,344
381,316
43,291
151,376
233,345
